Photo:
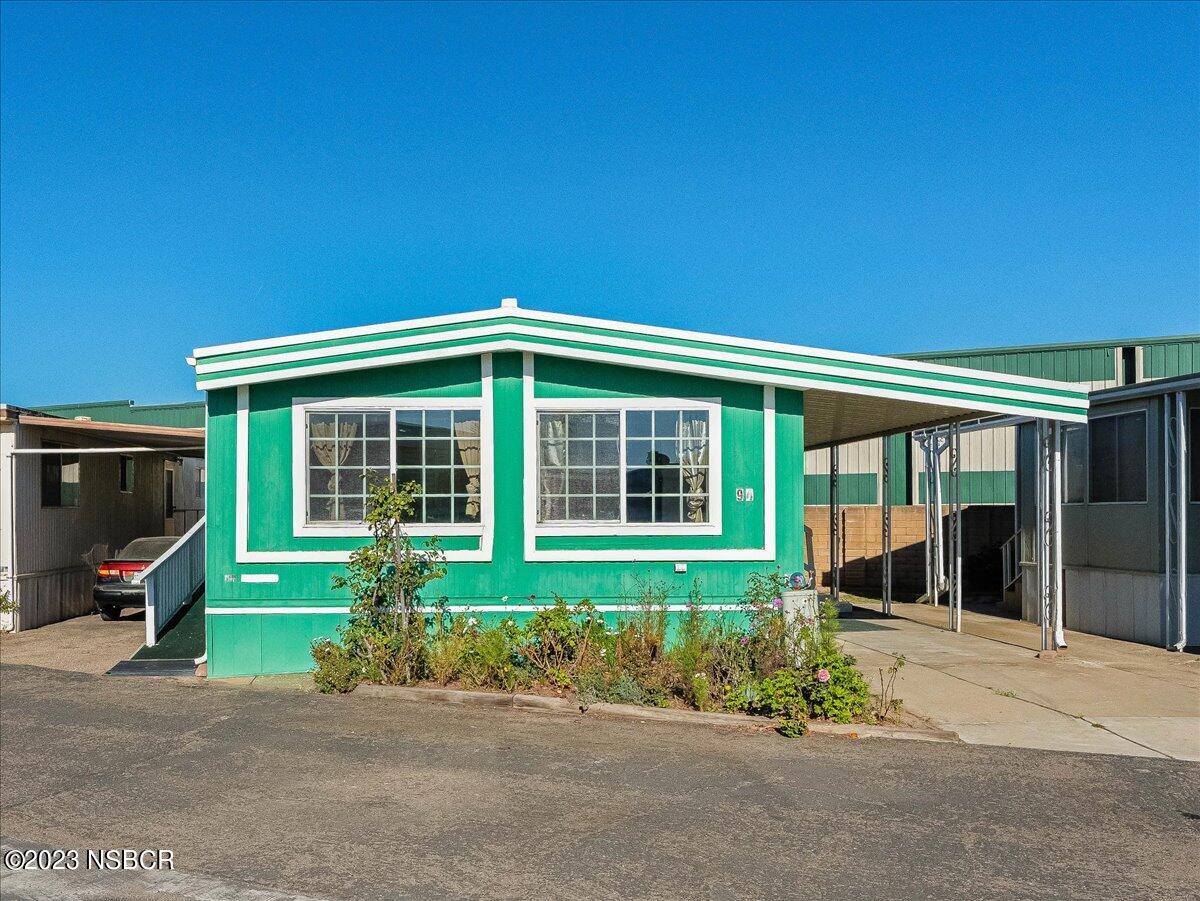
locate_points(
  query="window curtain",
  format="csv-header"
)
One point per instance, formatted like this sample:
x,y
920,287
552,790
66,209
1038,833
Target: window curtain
x,y
694,457
466,435
554,451
329,451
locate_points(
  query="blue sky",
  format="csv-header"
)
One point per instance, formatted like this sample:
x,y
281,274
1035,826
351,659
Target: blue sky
x,y
875,178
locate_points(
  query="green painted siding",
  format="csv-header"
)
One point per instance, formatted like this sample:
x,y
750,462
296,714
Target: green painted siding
x,y
247,643
181,416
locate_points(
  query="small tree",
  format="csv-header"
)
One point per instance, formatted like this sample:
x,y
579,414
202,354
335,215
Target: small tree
x,y
386,632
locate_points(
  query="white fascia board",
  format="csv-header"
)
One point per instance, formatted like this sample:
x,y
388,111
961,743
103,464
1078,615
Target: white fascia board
x,y
632,328
631,344
796,382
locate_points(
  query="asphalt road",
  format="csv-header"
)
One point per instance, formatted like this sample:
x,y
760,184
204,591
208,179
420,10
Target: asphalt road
x,y
345,797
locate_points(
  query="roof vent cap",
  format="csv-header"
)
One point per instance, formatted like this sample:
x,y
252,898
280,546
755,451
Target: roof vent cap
x,y
508,303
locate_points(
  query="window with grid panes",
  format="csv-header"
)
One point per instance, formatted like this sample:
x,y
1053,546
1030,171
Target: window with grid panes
x,y
439,450
349,452
665,466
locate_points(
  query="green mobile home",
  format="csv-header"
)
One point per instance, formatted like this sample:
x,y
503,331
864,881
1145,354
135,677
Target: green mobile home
x,y
557,455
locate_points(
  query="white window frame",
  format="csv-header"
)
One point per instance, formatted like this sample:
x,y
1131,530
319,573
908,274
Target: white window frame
x,y
1145,414
302,406
622,405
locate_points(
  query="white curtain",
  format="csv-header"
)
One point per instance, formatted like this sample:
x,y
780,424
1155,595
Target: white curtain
x,y
467,436
694,457
553,447
329,451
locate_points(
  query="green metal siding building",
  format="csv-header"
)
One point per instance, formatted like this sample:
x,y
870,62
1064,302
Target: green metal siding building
x,y
189,415
558,455
989,461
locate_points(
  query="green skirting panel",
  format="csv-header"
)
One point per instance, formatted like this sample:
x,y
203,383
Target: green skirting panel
x,y
251,644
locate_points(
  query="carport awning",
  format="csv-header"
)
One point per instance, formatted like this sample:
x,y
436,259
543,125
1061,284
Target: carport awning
x,y
184,442
848,396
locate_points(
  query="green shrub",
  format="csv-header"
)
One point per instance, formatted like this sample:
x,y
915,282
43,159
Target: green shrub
x,y
489,657
386,635
616,687
836,690
336,671
556,641
780,696
772,638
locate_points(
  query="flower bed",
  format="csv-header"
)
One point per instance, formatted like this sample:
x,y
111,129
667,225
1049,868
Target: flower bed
x,y
766,661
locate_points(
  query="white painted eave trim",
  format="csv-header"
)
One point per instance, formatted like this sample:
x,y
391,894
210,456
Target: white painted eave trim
x,y
616,325
619,359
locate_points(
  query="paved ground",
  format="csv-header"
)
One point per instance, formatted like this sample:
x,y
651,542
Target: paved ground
x,y
83,644
352,797
986,684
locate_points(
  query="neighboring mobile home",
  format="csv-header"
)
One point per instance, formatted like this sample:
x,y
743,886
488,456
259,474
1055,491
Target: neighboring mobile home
x,y
1130,516
72,491
558,455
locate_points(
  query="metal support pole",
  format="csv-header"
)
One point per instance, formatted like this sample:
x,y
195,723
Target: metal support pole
x,y
1175,504
954,600
885,485
1046,552
1056,498
925,469
835,537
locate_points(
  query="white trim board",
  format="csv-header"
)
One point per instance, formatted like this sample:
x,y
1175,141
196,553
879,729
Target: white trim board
x,y
622,405
468,608
301,528
636,344
614,325
797,382
632,344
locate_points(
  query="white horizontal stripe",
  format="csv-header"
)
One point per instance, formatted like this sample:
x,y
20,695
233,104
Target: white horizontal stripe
x,y
797,382
266,578
247,556
638,345
616,325
719,555
469,608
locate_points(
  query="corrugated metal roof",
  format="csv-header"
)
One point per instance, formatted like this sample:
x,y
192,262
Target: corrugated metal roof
x,y
185,415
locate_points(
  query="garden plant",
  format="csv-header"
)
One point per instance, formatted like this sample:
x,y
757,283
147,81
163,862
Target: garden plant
x,y
763,660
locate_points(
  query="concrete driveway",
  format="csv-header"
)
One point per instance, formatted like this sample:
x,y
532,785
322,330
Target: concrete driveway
x,y
987,684
82,644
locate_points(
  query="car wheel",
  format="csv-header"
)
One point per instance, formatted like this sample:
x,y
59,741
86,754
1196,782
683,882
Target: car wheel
x,y
110,613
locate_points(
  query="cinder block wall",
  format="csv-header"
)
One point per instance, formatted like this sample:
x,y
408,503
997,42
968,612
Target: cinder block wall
x,y
985,529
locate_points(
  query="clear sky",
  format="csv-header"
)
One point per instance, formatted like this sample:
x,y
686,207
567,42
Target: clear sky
x,y
875,178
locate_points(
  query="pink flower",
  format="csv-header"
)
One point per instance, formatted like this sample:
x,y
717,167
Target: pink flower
x,y
822,675
744,640
777,603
